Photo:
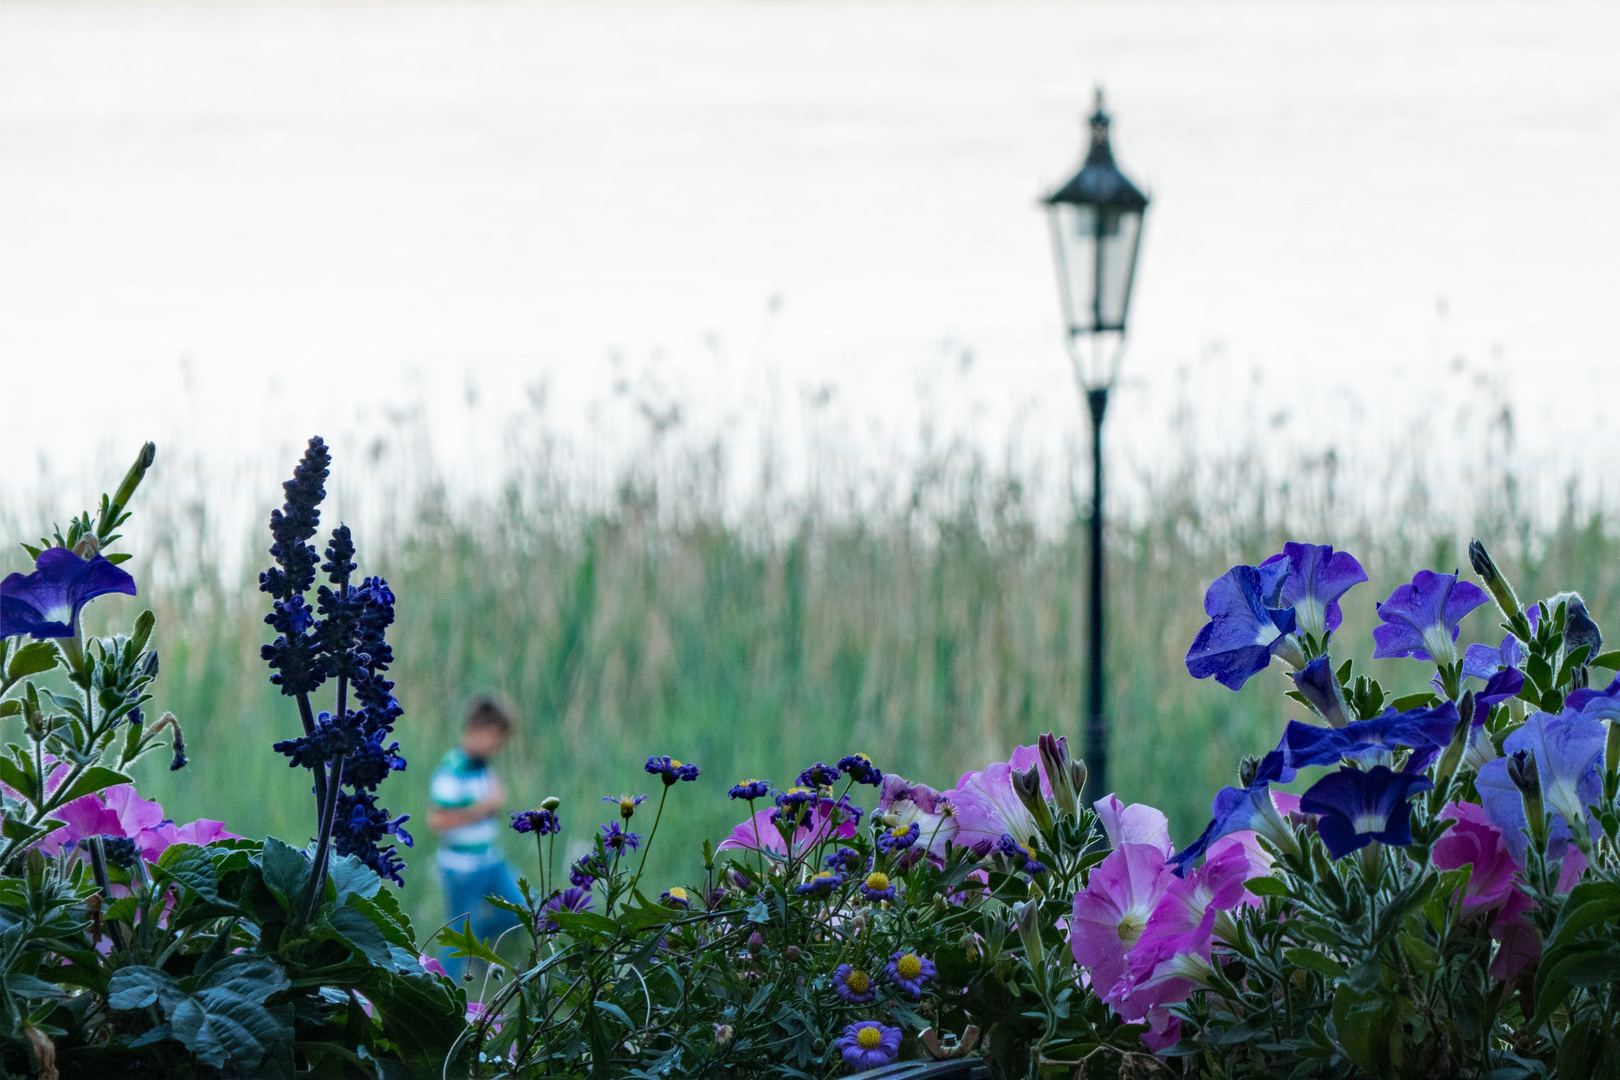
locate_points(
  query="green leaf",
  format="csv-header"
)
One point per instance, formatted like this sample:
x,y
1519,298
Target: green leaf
x,y
138,986
357,930
1609,660
465,943
31,659
1414,701
1266,886
420,1014
190,867
29,987
349,876
1320,963
286,871
91,780
20,778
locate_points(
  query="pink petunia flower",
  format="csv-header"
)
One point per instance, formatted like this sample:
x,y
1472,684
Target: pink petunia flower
x,y
805,837
1474,840
1112,911
987,807
1134,824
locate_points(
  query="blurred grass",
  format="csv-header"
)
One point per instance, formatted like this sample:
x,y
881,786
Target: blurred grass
x,y
934,635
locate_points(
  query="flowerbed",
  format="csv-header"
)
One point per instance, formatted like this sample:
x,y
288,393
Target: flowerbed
x,y
1442,900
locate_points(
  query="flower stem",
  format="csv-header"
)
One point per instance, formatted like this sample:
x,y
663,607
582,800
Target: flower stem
x,y
647,847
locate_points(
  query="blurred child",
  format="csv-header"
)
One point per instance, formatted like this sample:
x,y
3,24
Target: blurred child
x,y
465,811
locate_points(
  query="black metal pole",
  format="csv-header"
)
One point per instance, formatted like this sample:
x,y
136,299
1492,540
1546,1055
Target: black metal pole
x,y
1096,725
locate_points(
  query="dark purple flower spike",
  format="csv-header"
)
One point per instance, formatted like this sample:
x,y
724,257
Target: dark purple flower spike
x,y
46,603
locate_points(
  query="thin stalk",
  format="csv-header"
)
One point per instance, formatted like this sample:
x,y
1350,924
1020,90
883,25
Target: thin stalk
x,y
98,868
647,847
317,877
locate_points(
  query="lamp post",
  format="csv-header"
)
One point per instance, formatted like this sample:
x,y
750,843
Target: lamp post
x,y
1096,221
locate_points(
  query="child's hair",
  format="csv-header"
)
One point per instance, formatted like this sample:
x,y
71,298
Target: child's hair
x,y
486,711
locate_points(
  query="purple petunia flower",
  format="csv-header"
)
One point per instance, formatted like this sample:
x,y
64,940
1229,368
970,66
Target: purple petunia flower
x,y
540,822
672,770
1317,577
1568,751
853,985
1247,626
46,603
1355,808
1238,810
868,1044
617,840
574,900
909,971
1420,618
859,768
1425,731
751,789
1497,668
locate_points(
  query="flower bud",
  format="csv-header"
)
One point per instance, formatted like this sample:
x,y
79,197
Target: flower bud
x,y
1579,629
1027,785
88,546
723,1034
550,802
1077,777
1500,590
792,953
1055,757
756,940
1318,685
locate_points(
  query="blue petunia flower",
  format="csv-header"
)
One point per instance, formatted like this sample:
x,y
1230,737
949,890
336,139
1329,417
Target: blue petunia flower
x,y
1317,577
1238,809
1568,751
1354,808
1420,618
1247,626
46,603
1498,668
1597,704
1425,731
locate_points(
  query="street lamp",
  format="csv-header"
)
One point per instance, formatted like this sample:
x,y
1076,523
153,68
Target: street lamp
x,y
1096,221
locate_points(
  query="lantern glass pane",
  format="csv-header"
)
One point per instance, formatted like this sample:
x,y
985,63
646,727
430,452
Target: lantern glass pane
x,y
1115,263
1074,243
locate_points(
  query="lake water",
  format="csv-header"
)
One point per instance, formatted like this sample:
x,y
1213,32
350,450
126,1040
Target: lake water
x,y
226,225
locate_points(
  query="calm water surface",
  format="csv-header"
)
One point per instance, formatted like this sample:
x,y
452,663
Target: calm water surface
x,y
227,225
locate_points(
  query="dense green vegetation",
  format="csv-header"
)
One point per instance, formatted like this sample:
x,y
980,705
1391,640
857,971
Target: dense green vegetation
x,y
930,639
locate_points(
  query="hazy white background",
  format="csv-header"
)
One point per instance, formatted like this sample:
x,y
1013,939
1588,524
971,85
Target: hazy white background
x,y
226,226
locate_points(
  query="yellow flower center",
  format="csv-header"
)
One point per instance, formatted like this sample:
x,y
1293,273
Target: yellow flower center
x,y
908,966
900,830
877,882
863,757
677,893
627,806
868,1038
674,764
858,982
